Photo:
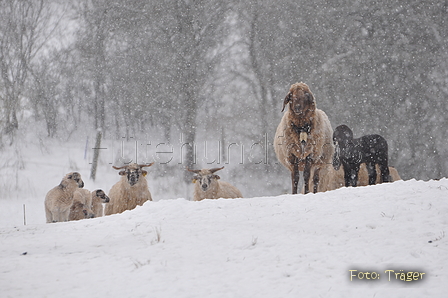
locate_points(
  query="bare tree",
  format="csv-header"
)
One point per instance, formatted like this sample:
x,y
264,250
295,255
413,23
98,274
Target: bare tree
x,y
193,32
44,92
25,27
92,39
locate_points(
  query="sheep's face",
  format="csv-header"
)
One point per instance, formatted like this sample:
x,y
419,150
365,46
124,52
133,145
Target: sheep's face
x,y
342,135
78,207
75,176
87,213
205,179
102,195
301,100
133,174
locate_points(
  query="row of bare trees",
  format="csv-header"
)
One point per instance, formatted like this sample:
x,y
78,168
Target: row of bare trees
x,y
222,67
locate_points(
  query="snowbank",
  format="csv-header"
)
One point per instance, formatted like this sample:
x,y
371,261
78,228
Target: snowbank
x,y
284,246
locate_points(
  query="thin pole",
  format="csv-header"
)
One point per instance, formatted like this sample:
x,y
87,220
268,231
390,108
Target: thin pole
x,y
24,215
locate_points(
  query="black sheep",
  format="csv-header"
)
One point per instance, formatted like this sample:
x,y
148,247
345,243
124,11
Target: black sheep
x,y
351,153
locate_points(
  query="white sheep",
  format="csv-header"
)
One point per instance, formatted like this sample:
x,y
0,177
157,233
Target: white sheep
x,y
303,140
82,205
131,191
98,198
59,199
208,186
87,204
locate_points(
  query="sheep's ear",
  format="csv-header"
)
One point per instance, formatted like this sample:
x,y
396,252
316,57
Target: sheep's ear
x,y
216,177
195,178
70,177
122,173
144,173
286,100
310,96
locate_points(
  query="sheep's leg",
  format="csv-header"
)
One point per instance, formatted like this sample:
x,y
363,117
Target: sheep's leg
x,y
64,214
347,173
307,174
316,180
385,175
295,175
371,170
56,216
354,175
48,215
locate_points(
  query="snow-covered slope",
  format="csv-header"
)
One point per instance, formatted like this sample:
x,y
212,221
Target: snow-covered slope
x,y
283,246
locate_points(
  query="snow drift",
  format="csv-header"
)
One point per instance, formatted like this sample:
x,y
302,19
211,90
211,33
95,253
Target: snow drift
x,y
282,246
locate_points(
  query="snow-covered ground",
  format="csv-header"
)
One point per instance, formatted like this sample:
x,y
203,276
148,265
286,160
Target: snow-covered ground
x,y
276,246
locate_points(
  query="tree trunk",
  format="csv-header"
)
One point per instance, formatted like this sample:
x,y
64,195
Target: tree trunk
x,y
96,155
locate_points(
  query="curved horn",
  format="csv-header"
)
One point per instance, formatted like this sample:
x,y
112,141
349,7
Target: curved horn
x,y
216,169
194,171
146,165
119,168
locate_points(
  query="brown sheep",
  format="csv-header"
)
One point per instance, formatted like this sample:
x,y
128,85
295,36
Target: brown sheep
x,y
333,179
363,175
59,199
131,191
208,186
303,139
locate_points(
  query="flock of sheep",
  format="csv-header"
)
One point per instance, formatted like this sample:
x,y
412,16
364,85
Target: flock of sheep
x,y
70,201
304,142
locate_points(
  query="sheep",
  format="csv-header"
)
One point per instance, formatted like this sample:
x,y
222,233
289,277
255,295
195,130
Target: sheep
x,y
59,199
81,206
131,191
303,137
393,173
208,186
87,204
363,175
333,179
350,152
98,198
